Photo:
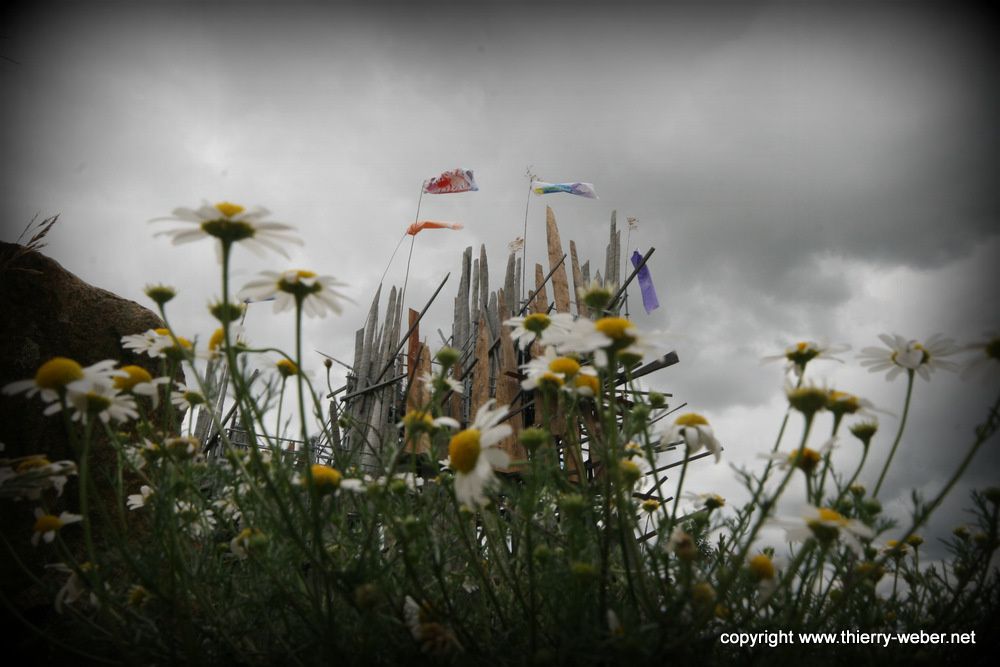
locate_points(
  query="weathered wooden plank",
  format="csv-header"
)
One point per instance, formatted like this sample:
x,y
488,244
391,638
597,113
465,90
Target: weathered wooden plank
x,y
420,394
414,344
507,389
508,288
460,326
480,392
541,302
484,278
578,284
560,285
474,296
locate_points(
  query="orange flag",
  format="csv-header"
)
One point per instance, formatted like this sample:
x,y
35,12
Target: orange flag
x,y
416,227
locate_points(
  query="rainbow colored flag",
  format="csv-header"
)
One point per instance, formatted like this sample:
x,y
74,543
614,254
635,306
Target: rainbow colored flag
x,y
579,189
456,180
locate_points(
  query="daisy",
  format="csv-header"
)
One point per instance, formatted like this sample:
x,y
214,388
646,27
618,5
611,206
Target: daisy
x,y
558,371
989,354
420,421
137,500
826,525
709,501
316,293
104,405
473,454
450,383
157,344
137,380
805,459
230,223
531,327
33,476
695,431
802,352
184,398
579,338
909,356
75,585
47,525
60,374
682,544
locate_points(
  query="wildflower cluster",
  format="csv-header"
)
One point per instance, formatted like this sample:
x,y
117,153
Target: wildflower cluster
x,y
556,526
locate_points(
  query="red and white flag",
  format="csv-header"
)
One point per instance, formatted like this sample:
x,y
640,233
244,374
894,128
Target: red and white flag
x,y
456,180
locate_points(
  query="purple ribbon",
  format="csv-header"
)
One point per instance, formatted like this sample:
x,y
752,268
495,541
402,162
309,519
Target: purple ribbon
x,y
649,300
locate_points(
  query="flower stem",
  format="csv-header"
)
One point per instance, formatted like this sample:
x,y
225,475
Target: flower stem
x,y
899,433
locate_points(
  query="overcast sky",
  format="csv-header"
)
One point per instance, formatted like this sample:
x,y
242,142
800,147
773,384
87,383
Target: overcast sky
x,y
804,171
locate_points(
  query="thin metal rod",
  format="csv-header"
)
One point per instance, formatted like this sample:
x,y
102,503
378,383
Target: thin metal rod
x,y
539,288
413,327
368,390
524,239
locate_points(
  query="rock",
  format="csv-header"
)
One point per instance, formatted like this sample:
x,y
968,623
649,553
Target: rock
x,y
49,312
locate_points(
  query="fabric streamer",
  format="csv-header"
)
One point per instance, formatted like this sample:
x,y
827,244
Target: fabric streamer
x,y
649,300
417,227
579,189
456,180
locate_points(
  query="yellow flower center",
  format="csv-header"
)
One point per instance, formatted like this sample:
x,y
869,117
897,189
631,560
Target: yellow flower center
x,y
57,373
537,322
228,209
162,331
325,477
287,368
551,380
806,460
47,523
565,365
136,375
31,464
588,382
418,420
831,516
616,328
691,419
650,505
463,450
218,337
97,403
762,567
291,282
843,403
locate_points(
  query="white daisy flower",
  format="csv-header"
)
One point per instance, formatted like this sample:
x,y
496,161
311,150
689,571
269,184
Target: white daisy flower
x,y
826,525
61,374
805,459
452,384
100,403
32,476
137,380
137,500
317,293
710,501
473,454
560,372
47,525
158,344
74,588
184,398
581,337
802,352
988,355
909,356
230,223
695,432
528,328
